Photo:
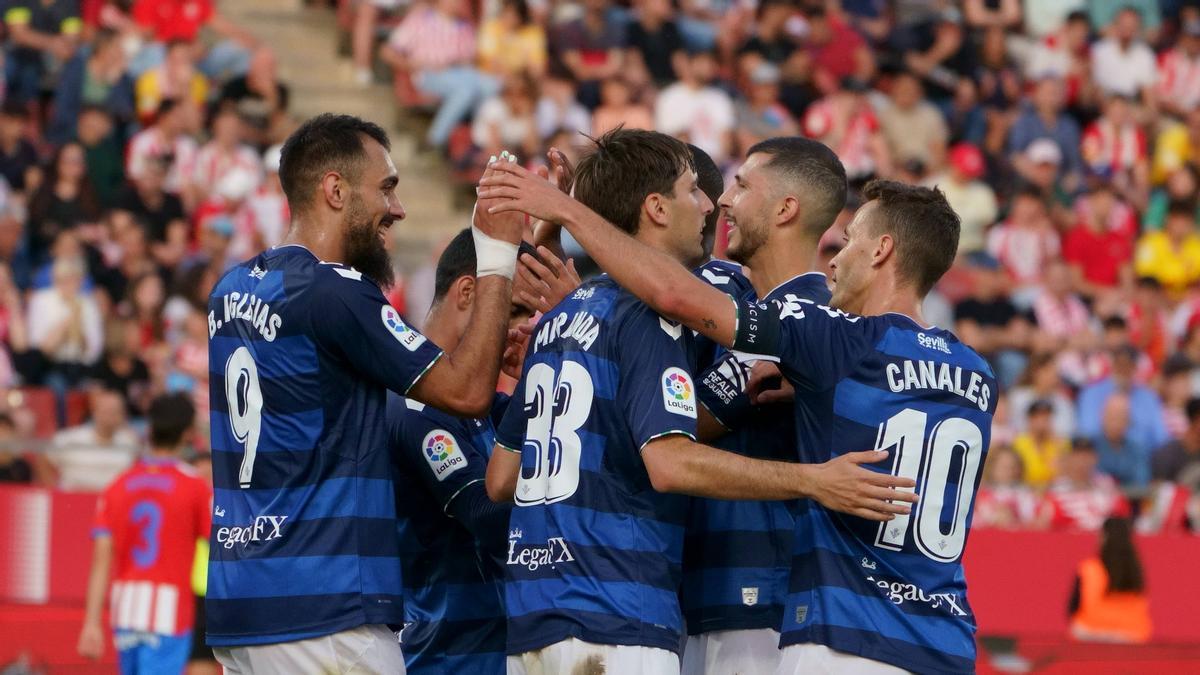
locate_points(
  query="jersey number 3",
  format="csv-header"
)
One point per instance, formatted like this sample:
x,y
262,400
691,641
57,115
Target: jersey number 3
x,y
244,396
930,461
557,407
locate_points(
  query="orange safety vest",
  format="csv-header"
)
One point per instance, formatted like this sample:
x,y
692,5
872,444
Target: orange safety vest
x,y
1108,617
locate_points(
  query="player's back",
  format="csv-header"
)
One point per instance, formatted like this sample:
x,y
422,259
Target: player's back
x,y
737,553
894,591
453,583
594,551
300,355
155,511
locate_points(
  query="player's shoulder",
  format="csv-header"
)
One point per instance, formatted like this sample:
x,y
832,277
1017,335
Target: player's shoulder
x,y
812,286
901,333
724,275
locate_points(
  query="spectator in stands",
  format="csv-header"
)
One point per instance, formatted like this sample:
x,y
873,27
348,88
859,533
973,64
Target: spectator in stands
x,y
1114,149
144,300
160,212
1172,255
1122,63
971,198
990,322
267,208
181,20
103,153
1040,449
167,141
1103,13
1147,429
944,56
1081,499
591,48
1044,117
760,115
1024,243
65,200
655,44
88,457
14,468
618,108
1041,382
1175,388
1180,186
770,40
19,163
1063,55
1177,145
965,116
1108,602
507,121
121,369
1003,501
44,34
913,127
98,79
65,325
223,155
260,99
512,43
1098,253
846,122
1171,461
695,110
1178,91
836,50
435,46
557,109
998,77
175,79
1119,454
981,14
1062,318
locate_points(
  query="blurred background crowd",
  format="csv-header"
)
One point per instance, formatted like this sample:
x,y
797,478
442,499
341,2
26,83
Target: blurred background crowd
x,y
139,156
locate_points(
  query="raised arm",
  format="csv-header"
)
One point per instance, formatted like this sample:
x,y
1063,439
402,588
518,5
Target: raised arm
x,y
671,290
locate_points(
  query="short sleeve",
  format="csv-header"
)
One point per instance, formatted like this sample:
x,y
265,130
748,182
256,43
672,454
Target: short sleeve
x,y
510,430
816,345
353,319
438,454
656,392
202,506
102,525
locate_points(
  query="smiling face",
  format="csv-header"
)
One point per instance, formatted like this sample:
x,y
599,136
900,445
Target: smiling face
x,y
747,207
372,208
853,269
688,208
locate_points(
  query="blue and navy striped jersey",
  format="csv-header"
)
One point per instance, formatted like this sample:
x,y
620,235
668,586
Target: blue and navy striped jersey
x,y
594,551
737,554
301,355
895,591
729,278
453,602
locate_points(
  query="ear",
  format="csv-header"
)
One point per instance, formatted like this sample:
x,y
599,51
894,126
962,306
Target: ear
x,y
334,190
885,248
656,208
463,292
788,209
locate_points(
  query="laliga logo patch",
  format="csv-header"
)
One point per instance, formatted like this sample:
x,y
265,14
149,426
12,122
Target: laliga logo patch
x,y
406,336
442,453
677,392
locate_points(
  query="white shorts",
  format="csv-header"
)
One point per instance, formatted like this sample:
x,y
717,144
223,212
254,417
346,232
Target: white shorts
x,y
732,652
576,656
819,659
367,649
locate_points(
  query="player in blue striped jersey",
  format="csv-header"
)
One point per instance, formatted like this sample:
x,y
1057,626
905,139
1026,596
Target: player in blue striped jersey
x,y
305,564
452,536
863,596
737,553
598,446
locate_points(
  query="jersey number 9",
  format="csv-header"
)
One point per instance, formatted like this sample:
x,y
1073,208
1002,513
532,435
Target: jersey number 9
x,y
244,396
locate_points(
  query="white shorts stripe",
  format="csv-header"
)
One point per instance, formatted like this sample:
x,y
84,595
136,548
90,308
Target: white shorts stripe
x,y
143,598
166,609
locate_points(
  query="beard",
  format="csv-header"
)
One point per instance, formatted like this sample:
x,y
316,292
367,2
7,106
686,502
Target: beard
x,y
748,243
364,249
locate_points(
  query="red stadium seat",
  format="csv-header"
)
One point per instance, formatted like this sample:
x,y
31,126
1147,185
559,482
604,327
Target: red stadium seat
x,y
41,402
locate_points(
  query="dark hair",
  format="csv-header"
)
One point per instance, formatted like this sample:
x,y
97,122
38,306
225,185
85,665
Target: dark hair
x,y
104,37
522,9
1120,557
1114,322
42,200
712,184
1078,15
171,416
458,260
1181,207
15,110
1192,409
6,420
326,142
1083,444
1041,405
924,226
625,167
812,172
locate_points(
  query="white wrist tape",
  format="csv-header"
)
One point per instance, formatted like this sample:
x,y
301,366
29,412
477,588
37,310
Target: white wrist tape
x,y
493,256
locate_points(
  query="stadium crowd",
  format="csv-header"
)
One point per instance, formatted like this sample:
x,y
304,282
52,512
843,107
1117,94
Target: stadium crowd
x,y
139,158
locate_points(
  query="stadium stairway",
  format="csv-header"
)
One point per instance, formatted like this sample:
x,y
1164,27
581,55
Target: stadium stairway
x,y
305,40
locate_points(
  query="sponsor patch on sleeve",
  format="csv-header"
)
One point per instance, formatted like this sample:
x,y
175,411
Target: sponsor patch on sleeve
x,y
405,335
443,453
679,395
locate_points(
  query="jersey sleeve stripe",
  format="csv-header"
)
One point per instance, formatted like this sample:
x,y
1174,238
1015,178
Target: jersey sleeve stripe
x,y
423,372
673,432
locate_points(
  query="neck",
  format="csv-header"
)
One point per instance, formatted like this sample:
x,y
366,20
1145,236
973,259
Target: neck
x,y
163,453
894,299
439,327
655,237
105,434
325,242
773,265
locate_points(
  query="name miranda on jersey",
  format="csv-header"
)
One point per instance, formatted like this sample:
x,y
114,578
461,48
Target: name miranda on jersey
x,y
942,376
581,327
247,307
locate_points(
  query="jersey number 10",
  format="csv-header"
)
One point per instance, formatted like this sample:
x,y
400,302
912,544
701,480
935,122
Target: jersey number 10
x,y
557,408
929,462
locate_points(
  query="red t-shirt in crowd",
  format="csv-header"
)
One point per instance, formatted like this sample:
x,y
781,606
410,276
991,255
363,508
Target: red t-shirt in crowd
x,y
154,512
1099,254
173,19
